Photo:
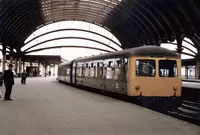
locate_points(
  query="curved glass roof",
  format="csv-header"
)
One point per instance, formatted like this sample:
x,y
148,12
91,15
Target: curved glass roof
x,y
71,33
134,22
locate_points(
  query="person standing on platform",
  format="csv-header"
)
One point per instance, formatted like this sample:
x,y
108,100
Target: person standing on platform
x,y
8,81
49,73
24,76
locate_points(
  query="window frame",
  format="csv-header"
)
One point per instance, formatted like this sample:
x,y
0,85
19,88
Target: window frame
x,y
176,74
147,59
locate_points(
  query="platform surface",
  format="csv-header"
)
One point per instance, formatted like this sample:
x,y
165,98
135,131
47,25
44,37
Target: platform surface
x,y
46,107
195,85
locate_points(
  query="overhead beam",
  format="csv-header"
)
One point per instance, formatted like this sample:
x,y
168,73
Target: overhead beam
x,y
54,31
70,38
66,46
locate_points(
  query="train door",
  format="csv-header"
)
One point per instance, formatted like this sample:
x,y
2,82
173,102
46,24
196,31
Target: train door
x,y
169,77
71,72
74,73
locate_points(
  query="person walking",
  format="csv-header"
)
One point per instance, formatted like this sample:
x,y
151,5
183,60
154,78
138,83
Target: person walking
x,y
8,81
24,76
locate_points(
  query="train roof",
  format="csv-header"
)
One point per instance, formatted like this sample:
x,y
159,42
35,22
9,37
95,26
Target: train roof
x,y
154,51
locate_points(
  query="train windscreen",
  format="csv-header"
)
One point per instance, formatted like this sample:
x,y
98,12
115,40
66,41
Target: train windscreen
x,y
146,68
168,68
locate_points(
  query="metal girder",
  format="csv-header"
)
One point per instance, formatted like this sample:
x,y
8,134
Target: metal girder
x,y
70,38
66,46
186,53
73,30
183,47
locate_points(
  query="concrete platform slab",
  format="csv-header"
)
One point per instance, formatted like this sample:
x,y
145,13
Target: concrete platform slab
x,y
195,85
46,107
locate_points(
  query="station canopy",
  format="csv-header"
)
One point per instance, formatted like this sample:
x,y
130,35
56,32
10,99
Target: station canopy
x,y
133,22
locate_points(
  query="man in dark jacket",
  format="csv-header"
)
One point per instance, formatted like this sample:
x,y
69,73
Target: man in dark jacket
x,y
8,81
24,76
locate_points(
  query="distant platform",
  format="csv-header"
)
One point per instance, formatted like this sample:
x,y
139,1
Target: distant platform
x,y
54,59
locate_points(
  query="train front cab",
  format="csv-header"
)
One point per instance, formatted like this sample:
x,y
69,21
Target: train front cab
x,y
154,77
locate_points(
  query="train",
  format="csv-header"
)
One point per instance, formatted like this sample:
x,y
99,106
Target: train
x,y
151,74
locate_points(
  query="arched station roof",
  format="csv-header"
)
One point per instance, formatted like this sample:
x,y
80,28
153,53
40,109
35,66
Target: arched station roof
x,y
133,22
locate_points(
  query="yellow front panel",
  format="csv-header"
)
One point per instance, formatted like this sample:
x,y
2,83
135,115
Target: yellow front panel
x,y
153,86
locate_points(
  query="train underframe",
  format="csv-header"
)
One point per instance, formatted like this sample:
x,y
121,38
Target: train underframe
x,y
160,104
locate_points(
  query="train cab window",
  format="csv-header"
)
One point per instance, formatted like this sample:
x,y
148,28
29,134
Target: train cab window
x,y
168,68
145,68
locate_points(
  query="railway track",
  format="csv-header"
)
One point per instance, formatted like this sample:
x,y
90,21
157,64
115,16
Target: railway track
x,y
188,111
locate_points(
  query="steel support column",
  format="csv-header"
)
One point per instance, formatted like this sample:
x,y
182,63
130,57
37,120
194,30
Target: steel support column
x,y
54,66
16,65
11,59
186,72
45,69
198,69
4,61
38,68
23,67
20,66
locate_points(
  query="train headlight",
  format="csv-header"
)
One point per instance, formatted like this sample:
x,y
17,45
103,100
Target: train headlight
x,y
175,88
137,87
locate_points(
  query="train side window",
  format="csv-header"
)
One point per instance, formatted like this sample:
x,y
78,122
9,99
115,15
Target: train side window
x,y
64,71
87,72
68,71
145,68
84,70
97,70
92,70
100,70
109,70
79,69
117,69
168,68
124,70
61,71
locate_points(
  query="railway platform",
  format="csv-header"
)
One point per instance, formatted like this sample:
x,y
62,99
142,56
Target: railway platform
x,y
46,107
191,80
